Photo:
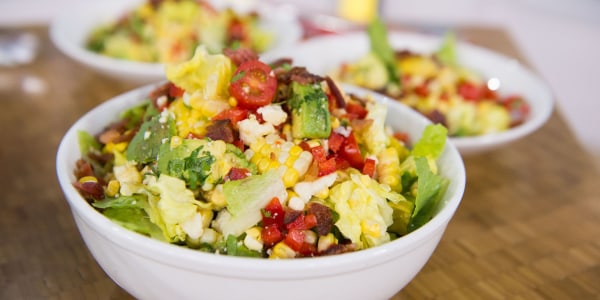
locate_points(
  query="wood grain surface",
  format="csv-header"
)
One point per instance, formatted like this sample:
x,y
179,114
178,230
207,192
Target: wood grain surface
x,y
527,228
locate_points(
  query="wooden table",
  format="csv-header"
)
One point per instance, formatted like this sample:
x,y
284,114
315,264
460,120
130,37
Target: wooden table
x,y
528,226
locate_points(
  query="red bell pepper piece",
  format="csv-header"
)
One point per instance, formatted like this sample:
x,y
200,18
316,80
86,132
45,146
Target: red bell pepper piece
x,y
271,235
273,213
369,167
295,239
351,152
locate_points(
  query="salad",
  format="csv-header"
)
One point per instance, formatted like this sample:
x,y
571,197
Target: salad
x,y
237,157
436,85
168,31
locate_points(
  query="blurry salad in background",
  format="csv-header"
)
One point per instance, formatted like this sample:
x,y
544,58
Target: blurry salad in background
x,y
435,84
237,157
168,31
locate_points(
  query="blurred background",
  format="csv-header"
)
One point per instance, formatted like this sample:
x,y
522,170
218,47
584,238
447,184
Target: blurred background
x,y
559,38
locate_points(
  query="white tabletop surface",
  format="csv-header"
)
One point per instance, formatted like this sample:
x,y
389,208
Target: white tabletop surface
x,y
560,38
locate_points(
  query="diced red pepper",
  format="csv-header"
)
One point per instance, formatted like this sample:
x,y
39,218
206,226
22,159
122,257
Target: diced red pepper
x,y
335,141
356,110
239,144
369,167
310,221
295,239
234,114
422,90
318,153
273,213
518,109
341,163
175,91
327,167
304,145
307,249
271,235
402,136
238,173
469,91
302,222
351,152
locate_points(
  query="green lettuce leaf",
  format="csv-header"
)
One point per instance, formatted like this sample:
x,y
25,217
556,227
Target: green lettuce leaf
x,y
130,212
381,47
447,51
430,189
432,142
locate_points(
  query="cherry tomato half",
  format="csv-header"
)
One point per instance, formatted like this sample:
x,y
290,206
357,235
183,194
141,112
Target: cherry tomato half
x,y
253,84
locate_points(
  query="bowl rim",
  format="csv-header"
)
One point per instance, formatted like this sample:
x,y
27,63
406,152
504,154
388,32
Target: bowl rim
x,y
61,26
230,266
544,105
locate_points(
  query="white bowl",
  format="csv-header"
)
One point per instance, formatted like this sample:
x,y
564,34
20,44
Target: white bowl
x,y
70,29
151,269
321,55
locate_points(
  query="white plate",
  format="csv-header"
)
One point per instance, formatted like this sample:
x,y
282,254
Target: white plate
x,y
70,29
323,54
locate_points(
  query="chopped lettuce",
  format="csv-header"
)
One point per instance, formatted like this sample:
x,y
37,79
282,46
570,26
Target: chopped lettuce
x,y
447,51
206,78
130,212
432,142
245,200
87,142
430,189
364,211
381,47
171,205
375,136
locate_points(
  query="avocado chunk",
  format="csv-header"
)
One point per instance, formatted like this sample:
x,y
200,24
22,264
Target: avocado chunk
x,y
309,108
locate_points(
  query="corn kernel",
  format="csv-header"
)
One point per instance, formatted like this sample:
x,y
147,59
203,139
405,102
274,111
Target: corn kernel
x,y
112,188
281,250
310,237
335,123
325,242
290,177
322,194
85,179
232,102
292,194
296,150
253,239
296,203
371,228
263,164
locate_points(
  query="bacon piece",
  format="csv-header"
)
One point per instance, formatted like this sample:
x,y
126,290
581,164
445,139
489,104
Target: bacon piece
x,y
324,217
222,130
335,91
240,56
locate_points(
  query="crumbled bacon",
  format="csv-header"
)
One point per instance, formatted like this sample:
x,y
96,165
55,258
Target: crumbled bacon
x,y
222,130
324,217
239,56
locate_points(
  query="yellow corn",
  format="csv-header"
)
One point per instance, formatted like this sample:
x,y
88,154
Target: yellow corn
x,y
290,177
274,152
112,147
388,168
322,194
85,179
112,188
232,102
326,241
281,250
